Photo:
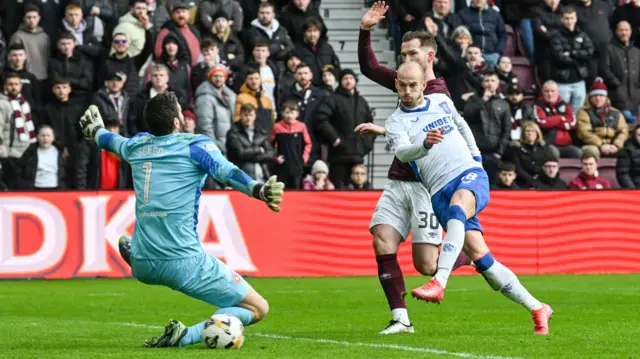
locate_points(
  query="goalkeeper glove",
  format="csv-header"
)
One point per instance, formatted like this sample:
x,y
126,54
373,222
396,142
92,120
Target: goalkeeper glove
x,y
91,122
271,192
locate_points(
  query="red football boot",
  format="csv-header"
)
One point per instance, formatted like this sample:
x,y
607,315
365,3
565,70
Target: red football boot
x,y
541,320
430,292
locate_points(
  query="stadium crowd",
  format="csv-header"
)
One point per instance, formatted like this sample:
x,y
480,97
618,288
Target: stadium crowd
x,y
539,82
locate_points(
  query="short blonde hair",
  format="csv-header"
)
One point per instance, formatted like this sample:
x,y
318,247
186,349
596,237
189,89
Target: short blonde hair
x,y
461,31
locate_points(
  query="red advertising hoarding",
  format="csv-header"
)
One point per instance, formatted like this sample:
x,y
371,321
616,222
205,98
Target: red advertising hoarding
x,y
75,234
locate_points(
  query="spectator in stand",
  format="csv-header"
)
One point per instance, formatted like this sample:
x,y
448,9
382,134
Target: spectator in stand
x,y
98,15
329,81
588,177
557,121
593,19
506,177
288,77
99,169
208,8
316,51
318,180
269,71
443,17
451,52
249,147
35,41
335,122
308,98
528,155
408,13
17,64
87,41
571,51
549,179
159,84
489,118
619,68
519,14
487,29
215,106
505,74
210,59
231,48
62,114
547,21
296,15
629,12
601,128
520,112
250,9
628,163
43,164
358,180
17,127
187,35
121,61
466,74
293,146
137,28
51,12
69,63
179,69
252,93
190,121
158,16
267,28
112,99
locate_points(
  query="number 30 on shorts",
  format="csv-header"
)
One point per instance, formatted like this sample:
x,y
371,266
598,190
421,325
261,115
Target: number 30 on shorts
x,y
428,220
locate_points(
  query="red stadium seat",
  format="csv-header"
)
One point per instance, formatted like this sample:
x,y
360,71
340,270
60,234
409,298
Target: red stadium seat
x,y
526,76
512,40
607,169
569,168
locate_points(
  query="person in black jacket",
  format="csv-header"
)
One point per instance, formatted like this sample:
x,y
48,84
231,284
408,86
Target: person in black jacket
x,y
30,85
267,28
288,75
571,51
621,73
528,155
87,43
546,23
489,118
63,115
593,19
465,73
249,147
629,12
112,100
628,164
336,120
179,69
315,51
231,48
294,16
99,169
69,63
487,29
210,59
120,61
43,165
550,179
506,177
408,13
520,111
442,16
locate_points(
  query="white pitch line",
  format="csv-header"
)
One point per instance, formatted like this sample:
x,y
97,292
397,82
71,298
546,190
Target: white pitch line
x,y
356,344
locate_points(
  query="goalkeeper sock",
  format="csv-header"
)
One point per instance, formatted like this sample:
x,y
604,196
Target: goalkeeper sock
x,y
452,243
194,332
503,279
392,281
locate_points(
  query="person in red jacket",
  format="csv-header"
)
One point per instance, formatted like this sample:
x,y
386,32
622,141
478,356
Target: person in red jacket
x,y
588,177
557,121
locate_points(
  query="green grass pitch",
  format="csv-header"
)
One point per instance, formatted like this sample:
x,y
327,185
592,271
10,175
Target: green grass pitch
x,y
595,317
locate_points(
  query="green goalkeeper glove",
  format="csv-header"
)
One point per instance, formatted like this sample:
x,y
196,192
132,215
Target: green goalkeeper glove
x,y
271,192
91,122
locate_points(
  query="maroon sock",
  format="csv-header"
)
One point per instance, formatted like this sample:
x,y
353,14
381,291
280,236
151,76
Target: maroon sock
x,y
391,279
462,260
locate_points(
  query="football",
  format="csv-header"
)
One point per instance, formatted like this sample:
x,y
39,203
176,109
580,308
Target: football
x,y
223,331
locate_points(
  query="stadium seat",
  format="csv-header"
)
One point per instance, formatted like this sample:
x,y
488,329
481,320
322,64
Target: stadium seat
x,y
526,76
607,169
520,46
569,168
510,50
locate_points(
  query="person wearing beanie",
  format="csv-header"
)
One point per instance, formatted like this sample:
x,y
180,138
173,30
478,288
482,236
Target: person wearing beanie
x,y
187,35
214,109
601,128
231,48
179,68
318,179
208,9
330,78
336,120
288,76
189,121
550,179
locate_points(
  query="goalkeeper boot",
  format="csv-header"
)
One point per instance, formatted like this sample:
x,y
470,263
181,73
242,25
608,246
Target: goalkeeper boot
x,y
171,337
430,292
124,247
541,320
395,326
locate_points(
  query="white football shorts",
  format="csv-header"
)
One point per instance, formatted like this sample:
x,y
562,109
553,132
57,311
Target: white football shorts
x,y
406,206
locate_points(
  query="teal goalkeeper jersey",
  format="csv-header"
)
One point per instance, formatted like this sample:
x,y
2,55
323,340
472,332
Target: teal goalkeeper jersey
x,y
168,175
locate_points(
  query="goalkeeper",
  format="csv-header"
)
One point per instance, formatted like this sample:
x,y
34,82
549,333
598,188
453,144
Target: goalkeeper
x,y
169,169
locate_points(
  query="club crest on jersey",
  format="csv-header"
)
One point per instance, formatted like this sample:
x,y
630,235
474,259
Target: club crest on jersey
x,y
445,107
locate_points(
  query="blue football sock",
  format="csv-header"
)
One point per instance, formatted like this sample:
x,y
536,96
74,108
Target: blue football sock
x,y
194,333
245,315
